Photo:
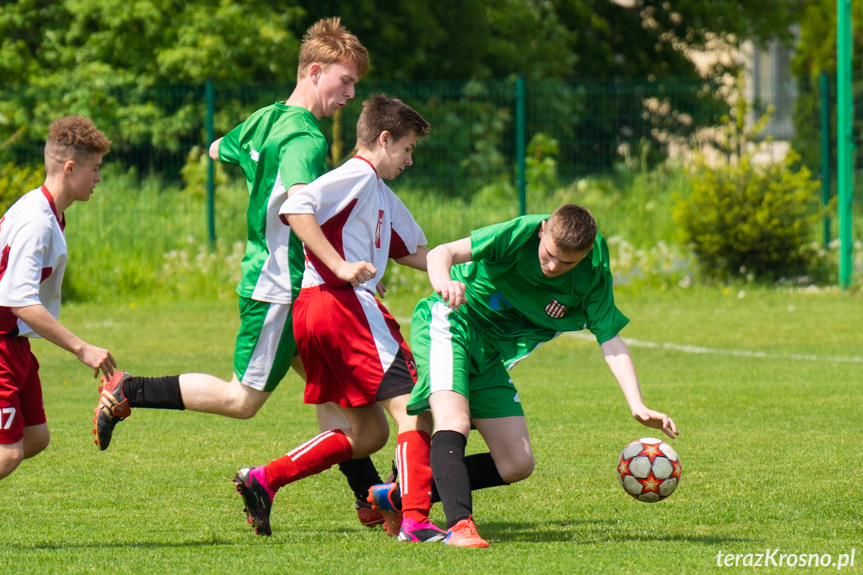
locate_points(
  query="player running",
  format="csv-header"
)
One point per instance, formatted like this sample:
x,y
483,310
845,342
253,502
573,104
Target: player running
x,y
32,263
351,224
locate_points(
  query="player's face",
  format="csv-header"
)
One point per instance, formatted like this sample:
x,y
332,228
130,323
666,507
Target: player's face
x,y
83,176
553,260
398,155
335,85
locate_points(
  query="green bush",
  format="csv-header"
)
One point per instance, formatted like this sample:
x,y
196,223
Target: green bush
x,y
745,216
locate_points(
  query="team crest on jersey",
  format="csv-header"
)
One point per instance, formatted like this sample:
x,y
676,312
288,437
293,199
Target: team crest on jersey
x,y
378,229
555,309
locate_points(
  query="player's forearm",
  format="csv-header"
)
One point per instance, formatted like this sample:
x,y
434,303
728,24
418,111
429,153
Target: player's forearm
x,y
417,260
441,259
43,323
620,363
307,229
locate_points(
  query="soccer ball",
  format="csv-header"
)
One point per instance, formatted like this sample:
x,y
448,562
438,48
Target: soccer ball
x,y
649,469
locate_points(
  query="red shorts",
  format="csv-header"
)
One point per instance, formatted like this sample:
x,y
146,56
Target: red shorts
x,y
351,347
20,389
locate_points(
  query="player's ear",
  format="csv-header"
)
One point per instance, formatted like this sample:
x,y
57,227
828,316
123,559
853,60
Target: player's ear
x,y
69,167
384,138
315,70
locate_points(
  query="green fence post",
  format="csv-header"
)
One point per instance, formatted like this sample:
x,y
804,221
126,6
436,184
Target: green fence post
x,y
520,147
825,151
211,183
845,137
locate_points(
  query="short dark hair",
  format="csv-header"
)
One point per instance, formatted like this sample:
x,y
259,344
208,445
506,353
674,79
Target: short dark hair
x,y
381,113
73,138
572,228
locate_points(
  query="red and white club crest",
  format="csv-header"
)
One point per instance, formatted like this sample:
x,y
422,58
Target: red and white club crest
x,y
555,309
378,229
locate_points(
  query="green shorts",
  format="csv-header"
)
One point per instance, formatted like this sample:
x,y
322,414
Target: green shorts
x,y
265,343
452,356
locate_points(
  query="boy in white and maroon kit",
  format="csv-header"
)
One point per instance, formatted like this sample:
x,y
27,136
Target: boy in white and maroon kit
x,y
32,262
351,224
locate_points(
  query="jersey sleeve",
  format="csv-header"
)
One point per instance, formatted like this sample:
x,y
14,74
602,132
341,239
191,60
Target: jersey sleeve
x,y
604,320
229,147
328,195
407,235
302,159
19,285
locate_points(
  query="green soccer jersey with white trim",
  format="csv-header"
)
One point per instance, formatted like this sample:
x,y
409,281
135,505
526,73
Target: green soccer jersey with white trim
x,y
516,307
277,147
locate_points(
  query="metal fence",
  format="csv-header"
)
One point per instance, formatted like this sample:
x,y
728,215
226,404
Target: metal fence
x,y
508,139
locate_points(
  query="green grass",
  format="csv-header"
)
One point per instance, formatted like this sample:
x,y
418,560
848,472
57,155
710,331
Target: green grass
x,y
770,447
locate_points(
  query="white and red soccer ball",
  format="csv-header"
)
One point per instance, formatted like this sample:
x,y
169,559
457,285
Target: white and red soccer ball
x,y
649,469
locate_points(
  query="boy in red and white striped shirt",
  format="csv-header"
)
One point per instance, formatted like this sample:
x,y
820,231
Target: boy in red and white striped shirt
x,y
32,263
351,224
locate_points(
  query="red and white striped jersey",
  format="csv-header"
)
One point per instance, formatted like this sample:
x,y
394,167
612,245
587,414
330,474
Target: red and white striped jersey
x,y
360,216
32,260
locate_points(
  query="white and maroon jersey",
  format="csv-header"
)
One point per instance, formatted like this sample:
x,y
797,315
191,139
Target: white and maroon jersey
x,y
32,259
360,216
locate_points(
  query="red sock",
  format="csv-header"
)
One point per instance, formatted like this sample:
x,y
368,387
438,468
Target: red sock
x,y
415,477
314,456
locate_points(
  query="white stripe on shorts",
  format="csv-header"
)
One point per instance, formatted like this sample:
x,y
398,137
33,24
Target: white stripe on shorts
x,y
261,362
386,344
440,349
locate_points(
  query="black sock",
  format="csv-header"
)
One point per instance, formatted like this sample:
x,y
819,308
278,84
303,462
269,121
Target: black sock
x,y
481,471
361,475
451,476
154,392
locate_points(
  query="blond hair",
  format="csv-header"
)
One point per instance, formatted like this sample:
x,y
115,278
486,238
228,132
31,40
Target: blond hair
x,y
328,42
73,138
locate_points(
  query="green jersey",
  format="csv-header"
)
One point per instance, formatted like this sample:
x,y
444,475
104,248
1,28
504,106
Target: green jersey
x,y
276,147
516,307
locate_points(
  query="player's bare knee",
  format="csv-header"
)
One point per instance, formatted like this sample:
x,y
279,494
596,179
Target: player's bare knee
x,y
35,447
10,459
517,469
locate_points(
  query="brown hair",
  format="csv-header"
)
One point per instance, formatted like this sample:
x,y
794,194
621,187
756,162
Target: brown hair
x,y
381,113
73,138
572,228
328,42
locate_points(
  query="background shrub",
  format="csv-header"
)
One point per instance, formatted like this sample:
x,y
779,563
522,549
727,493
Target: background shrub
x,y
745,217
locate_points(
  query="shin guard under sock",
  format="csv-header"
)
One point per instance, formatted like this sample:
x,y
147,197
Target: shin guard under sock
x,y
450,475
154,392
481,471
361,475
415,476
314,456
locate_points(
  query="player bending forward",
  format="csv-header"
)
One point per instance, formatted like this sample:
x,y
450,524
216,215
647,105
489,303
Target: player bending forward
x,y
351,223
524,282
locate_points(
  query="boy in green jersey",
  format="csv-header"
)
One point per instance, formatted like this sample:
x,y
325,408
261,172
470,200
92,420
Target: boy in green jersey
x,y
280,148
499,295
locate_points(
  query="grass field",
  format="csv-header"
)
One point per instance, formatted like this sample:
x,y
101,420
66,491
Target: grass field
x,y
765,386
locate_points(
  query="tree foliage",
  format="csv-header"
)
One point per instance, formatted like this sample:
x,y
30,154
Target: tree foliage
x,y
115,60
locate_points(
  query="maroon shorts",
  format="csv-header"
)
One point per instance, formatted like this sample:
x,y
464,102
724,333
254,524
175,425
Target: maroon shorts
x,y
351,347
21,402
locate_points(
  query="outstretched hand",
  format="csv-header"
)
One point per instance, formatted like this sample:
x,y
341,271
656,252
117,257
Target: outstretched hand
x,y
97,359
656,420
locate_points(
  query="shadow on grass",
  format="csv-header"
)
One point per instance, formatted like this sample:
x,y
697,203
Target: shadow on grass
x,y
590,532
